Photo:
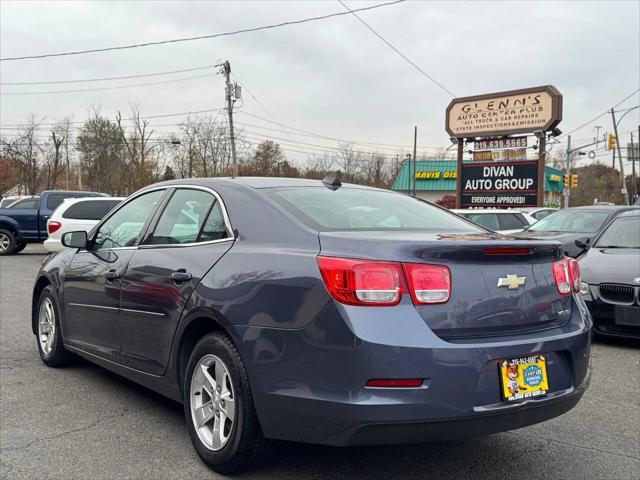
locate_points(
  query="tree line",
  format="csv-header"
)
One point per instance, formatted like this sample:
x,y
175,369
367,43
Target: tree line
x,y
120,155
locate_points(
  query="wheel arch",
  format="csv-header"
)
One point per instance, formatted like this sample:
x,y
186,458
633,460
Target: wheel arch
x,y
196,326
40,285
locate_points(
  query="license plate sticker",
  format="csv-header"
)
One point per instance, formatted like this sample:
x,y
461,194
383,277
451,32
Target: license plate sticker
x,y
523,378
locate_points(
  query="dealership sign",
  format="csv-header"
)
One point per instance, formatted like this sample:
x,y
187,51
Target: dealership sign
x,y
505,113
504,184
499,155
436,175
504,142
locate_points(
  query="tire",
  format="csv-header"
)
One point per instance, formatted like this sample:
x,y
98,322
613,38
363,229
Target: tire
x,y
7,242
20,247
48,338
240,445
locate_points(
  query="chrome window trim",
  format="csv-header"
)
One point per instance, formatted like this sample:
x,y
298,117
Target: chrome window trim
x,y
225,216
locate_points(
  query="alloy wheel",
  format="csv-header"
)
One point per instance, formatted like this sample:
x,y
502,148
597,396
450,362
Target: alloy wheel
x,y
46,326
5,241
213,402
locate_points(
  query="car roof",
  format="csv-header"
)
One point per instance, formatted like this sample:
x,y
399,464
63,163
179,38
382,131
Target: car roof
x,y
256,183
486,210
602,207
630,213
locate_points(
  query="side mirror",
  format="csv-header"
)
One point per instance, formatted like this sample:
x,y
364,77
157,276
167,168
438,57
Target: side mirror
x,y
583,244
75,239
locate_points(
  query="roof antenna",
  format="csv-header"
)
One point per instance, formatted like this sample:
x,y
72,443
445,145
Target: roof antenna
x,y
332,182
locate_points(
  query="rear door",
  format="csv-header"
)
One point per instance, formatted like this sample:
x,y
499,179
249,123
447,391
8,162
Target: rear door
x,y
93,278
25,212
187,237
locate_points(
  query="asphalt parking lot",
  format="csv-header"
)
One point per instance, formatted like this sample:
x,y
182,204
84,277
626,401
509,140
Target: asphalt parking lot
x,y
85,422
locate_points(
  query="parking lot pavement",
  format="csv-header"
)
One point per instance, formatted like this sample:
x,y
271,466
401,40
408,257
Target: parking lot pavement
x,y
84,422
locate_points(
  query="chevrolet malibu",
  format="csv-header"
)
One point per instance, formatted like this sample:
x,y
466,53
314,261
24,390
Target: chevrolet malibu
x,y
317,312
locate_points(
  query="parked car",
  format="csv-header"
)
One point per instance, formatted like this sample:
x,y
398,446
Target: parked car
x,y
76,214
287,309
538,213
498,220
26,221
611,278
6,202
574,227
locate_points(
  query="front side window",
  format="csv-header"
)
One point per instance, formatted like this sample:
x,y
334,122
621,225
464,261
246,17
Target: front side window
x,y
542,214
189,217
366,209
123,228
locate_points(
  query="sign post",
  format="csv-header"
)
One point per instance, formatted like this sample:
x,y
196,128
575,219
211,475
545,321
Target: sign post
x,y
503,114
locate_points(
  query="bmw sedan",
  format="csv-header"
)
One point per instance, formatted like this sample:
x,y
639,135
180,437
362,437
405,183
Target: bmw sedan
x,y
611,278
317,312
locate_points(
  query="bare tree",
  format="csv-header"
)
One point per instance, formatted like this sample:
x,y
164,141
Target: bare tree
x,y
349,161
54,166
138,161
27,153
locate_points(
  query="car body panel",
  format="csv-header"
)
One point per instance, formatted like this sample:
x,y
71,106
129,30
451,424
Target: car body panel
x,y
308,357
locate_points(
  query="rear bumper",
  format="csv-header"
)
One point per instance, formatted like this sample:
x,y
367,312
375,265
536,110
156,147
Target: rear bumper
x,y
53,245
309,384
459,428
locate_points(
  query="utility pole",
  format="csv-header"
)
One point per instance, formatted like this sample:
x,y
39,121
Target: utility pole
x,y
230,94
624,185
415,144
634,184
567,189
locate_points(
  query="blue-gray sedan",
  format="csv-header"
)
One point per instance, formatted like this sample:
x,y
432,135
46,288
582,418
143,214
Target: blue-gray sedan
x,y
317,312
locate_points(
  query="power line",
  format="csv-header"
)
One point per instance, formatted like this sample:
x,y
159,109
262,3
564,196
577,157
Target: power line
x,y
396,50
110,88
142,75
199,37
283,130
607,112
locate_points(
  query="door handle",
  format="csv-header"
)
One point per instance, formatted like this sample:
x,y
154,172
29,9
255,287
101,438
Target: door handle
x,y
112,275
181,276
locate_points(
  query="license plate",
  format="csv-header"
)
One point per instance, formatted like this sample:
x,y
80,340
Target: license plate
x,y
627,316
524,377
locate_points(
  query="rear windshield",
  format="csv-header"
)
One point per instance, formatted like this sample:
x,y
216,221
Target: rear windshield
x,y
364,209
90,209
578,221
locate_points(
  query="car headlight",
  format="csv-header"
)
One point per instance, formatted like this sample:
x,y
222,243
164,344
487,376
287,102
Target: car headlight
x,y
584,288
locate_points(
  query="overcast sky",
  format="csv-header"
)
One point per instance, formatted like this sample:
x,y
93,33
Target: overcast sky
x,y
332,77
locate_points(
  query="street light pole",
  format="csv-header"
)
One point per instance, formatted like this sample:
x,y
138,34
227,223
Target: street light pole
x,y
567,190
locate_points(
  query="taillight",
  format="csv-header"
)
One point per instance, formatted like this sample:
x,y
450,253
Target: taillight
x,y
53,226
428,283
566,273
362,282
373,283
395,383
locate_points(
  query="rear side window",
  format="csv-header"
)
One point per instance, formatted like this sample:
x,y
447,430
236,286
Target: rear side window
x,y
89,209
55,199
190,216
511,221
487,220
365,209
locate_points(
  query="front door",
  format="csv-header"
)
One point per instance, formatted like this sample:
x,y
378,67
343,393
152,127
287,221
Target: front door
x,y
93,279
183,243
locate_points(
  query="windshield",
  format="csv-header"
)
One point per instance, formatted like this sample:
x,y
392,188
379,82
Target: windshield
x,y
578,221
622,233
366,209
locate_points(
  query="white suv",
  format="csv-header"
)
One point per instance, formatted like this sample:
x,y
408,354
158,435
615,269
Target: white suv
x,y
75,214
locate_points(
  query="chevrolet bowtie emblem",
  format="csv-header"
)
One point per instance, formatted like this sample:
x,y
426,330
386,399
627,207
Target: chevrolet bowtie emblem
x,y
511,281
